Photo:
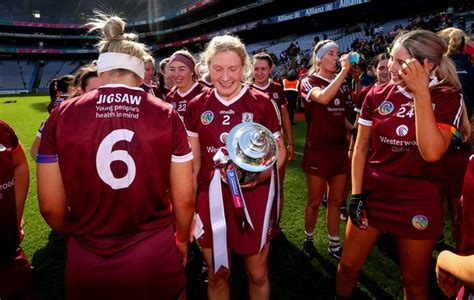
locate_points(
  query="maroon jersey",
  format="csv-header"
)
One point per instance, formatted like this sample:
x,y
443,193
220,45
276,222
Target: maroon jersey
x,y
114,147
206,83
390,111
275,91
363,93
151,88
211,118
347,91
326,123
56,102
162,92
466,244
180,101
9,231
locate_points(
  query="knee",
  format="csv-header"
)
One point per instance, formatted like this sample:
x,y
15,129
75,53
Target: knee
x,y
415,287
313,203
259,278
216,282
349,268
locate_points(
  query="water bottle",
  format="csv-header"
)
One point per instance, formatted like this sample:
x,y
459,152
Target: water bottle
x,y
354,58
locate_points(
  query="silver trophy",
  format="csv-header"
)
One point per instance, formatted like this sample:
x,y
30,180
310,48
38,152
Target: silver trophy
x,y
251,148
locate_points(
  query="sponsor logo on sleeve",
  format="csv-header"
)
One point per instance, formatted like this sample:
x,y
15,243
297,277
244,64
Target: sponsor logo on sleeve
x,y
207,117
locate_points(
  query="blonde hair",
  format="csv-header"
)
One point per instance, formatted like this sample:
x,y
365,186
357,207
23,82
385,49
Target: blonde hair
x,y
455,38
149,59
224,43
423,44
314,59
113,37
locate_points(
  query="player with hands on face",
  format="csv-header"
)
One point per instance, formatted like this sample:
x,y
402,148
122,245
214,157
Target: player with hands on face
x,y
407,124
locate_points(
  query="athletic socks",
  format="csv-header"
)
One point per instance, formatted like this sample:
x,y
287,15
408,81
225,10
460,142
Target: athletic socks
x,y
308,236
334,243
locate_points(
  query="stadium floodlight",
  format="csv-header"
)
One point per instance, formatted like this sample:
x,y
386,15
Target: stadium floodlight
x,y
36,14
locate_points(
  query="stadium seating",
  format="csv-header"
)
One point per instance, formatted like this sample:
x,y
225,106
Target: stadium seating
x,y
54,69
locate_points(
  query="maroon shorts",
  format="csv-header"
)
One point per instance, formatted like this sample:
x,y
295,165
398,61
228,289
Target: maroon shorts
x,y
325,163
149,269
455,165
242,241
408,207
16,278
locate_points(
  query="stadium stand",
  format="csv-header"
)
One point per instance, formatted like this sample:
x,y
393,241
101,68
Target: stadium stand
x,y
56,68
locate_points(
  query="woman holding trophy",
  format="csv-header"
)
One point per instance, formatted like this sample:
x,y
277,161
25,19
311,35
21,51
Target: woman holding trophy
x,y
236,215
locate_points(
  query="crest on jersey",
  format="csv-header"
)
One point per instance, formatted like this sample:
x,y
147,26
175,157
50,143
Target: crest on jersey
x,y
2,148
337,101
247,117
173,104
402,130
385,108
275,96
223,137
207,117
420,222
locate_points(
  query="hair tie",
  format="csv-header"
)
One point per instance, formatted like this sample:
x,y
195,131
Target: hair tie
x,y
325,48
184,60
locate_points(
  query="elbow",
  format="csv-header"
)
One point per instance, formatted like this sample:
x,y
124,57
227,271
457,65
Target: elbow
x,y
431,157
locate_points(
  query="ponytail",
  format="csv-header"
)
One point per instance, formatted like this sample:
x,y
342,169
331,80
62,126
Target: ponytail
x,y
53,89
447,71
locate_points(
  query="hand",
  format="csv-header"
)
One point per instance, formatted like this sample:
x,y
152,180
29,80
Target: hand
x,y
290,152
183,250
446,282
345,63
416,76
358,211
260,178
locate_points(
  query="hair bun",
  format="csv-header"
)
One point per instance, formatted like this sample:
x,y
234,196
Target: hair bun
x,y
113,28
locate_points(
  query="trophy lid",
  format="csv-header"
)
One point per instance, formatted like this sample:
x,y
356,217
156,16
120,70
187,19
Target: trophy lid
x,y
252,147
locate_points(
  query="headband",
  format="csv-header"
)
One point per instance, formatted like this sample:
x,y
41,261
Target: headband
x,y
184,60
113,60
325,49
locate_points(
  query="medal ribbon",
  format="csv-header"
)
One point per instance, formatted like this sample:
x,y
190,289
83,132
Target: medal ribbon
x,y
238,201
218,223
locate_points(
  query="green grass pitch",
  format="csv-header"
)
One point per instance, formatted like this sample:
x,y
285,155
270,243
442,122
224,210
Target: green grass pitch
x,y
291,276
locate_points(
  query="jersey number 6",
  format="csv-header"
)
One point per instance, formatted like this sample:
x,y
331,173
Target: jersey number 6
x,y
105,157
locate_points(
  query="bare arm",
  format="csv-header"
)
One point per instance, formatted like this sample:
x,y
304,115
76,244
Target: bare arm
x,y
182,191
459,267
34,147
21,175
324,96
196,148
51,195
285,120
432,142
359,157
465,125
